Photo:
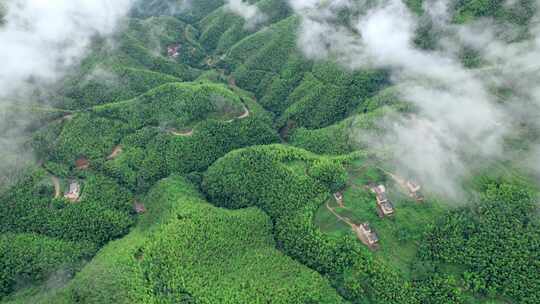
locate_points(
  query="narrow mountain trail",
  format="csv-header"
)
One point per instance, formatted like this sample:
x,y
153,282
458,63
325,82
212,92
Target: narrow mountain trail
x,y
398,179
56,183
184,133
341,218
115,152
244,115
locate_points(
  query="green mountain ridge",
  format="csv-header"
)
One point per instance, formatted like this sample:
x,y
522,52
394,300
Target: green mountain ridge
x,y
210,177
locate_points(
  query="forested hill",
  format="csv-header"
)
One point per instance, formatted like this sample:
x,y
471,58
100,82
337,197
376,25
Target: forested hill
x,y
202,159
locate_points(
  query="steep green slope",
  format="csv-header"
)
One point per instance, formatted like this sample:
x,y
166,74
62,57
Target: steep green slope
x,y
31,258
137,63
187,251
496,241
178,127
235,143
176,105
290,184
103,212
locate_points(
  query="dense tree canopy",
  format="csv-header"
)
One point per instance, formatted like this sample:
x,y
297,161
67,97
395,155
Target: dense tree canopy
x,y
206,154
226,257
496,240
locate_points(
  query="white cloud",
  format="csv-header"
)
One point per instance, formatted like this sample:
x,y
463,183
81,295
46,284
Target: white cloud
x,y
41,39
459,120
250,12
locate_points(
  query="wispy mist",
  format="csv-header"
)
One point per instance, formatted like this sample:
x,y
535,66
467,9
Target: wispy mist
x,y
250,12
41,41
460,120
147,8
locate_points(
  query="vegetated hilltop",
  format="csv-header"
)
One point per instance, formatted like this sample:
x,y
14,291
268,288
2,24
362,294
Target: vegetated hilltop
x,y
202,161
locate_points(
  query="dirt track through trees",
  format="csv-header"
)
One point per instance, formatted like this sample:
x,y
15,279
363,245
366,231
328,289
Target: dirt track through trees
x,y
185,133
190,132
246,113
56,183
115,152
242,116
341,218
400,181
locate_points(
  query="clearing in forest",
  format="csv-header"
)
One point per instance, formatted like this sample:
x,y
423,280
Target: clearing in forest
x,y
399,235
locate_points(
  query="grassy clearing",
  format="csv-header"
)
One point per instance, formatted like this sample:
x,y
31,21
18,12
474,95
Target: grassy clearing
x,y
399,235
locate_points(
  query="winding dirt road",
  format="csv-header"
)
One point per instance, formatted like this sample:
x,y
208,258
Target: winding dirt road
x,y
190,132
242,116
185,133
245,114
